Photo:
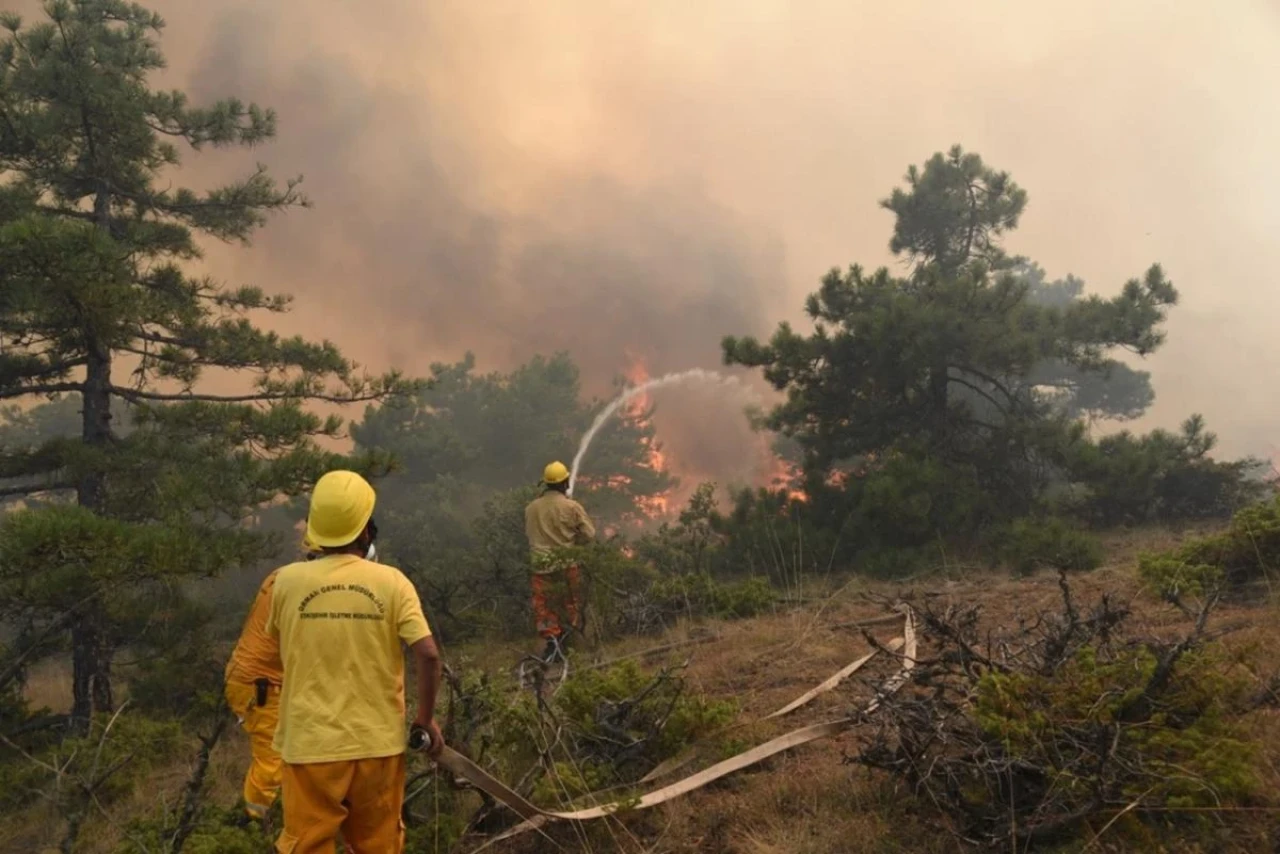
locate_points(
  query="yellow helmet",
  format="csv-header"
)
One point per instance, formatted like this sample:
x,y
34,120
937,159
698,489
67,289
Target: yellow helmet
x,y
341,506
555,473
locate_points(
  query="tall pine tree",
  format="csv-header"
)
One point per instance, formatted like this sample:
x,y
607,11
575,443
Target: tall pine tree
x,y
947,366
95,304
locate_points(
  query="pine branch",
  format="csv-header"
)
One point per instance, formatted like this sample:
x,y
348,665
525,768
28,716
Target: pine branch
x,y
999,407
136,396
14,667
987,379
47,388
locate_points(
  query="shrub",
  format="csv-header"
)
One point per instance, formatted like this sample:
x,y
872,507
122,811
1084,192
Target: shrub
x,y
1032,544
217,831
622,716
701,595
81,776
1248,550
1161,477
1036,734
599,729
769,534
1180,751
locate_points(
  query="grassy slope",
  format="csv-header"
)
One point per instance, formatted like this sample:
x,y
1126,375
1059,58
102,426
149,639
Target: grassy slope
x,y
809,800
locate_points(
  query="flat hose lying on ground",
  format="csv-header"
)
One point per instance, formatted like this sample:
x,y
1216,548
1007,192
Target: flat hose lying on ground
x,y
674,764
535,817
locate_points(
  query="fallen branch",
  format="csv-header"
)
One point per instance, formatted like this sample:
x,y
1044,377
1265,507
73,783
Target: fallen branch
x,y
195,784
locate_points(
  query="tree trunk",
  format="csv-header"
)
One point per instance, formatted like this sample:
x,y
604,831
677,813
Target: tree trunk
x,y
96,397
938,383
91,652
90,670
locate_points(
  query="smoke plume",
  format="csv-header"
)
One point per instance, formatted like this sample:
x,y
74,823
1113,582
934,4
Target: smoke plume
x,y
619,179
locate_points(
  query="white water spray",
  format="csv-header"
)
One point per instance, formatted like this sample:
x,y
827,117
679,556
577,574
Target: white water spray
x,y
694,375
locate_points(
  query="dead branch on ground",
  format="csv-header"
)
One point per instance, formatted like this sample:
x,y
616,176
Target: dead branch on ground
x,y
1022,735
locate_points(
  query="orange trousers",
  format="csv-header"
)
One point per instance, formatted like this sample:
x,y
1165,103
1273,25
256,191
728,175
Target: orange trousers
x,y
262,780
361,798
555,595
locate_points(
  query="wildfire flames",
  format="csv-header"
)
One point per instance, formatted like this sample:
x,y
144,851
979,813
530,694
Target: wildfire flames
x,y
776,473
785,476
760,464
653,506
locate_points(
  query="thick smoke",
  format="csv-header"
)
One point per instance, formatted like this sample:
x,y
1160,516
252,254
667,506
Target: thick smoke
x,y
412,255
615,178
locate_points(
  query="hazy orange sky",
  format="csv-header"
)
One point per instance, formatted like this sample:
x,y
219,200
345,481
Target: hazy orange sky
x,y
645,177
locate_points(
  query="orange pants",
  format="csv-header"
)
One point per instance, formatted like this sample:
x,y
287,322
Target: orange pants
x,y
555,594
361,798
262,780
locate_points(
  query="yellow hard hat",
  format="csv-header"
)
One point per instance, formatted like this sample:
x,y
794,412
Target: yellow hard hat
x,y
341,506
555,473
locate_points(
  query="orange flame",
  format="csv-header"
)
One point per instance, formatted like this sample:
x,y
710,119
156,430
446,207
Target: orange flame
x,y
785,476
651,506
778,474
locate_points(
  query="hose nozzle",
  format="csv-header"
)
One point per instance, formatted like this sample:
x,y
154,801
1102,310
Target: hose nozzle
x,y
419,738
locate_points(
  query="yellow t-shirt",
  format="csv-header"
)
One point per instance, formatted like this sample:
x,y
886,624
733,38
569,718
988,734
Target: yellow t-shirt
x,y
340,620
257,654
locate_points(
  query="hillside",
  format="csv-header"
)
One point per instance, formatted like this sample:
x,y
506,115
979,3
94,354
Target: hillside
x,y
810,799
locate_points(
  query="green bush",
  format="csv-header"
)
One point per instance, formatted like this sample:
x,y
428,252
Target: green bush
x,y
1052,543
897,563
1035,733
217,830
1249,549
82,775
769,534
701,595
1173,578
623,710
1160,477
1181,751
599,729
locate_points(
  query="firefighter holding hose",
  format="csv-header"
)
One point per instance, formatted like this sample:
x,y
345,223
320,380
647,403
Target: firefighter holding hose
x,y
342,621
553,522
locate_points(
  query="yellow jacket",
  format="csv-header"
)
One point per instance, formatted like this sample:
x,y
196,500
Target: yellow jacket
x,y
553,521
257,654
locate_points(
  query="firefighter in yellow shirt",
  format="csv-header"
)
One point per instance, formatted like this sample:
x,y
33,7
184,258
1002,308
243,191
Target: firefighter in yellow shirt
x,y
253,678
341,620
554,521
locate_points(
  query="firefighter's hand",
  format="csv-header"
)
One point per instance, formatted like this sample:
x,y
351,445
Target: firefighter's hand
x,y
433,730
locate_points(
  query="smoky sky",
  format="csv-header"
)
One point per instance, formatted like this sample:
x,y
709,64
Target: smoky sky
x,y
636,179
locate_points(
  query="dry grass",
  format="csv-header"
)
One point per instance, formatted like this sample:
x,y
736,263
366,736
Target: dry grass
x,y
49,685
804,802
811,800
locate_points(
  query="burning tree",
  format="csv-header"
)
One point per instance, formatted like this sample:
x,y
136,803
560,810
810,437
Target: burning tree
x,y
640,413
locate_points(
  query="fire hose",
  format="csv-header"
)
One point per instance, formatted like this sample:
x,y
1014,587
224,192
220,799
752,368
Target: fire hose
x,y
535,817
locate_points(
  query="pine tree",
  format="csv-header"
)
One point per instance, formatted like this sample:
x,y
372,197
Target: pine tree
x,y
95,304
945,366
